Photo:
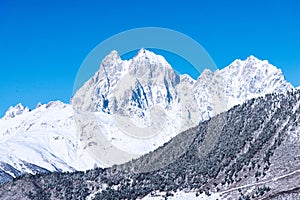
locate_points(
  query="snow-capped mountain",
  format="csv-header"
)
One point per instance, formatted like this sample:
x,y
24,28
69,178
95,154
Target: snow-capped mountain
x,y
147,90
250,79
135,89
43,139
148,79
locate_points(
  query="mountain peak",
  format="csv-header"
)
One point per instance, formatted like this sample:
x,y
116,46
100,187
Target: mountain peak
x,y
142,51
249,78
252,58
146,55
39,104
113,55
13,111
55,104
249,61
112,58
253,64
206,74
187,78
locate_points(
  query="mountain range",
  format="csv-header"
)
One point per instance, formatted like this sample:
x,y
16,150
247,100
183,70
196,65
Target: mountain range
x,y
56,137
255,156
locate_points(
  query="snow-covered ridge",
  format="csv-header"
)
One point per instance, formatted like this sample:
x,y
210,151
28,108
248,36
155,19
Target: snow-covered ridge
x,y
44,137
14,111
242,79
250,79
47,135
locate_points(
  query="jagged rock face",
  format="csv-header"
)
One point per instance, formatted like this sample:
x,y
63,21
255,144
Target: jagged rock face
x,y
256,155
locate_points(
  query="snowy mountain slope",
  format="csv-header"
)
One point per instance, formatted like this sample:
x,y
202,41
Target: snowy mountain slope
x,y
47,137
44,137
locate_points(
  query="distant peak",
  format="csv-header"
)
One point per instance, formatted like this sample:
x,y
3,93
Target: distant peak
x,y
114,54
13,111
206,73
141,51
110,60
252,57
187,78
112,57
253,70
252,62
55,104
39,104
145,53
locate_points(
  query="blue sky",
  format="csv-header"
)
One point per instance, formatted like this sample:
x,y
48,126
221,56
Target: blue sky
x,y
43,43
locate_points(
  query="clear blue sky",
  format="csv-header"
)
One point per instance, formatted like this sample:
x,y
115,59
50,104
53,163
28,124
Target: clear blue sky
x,y
42,43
